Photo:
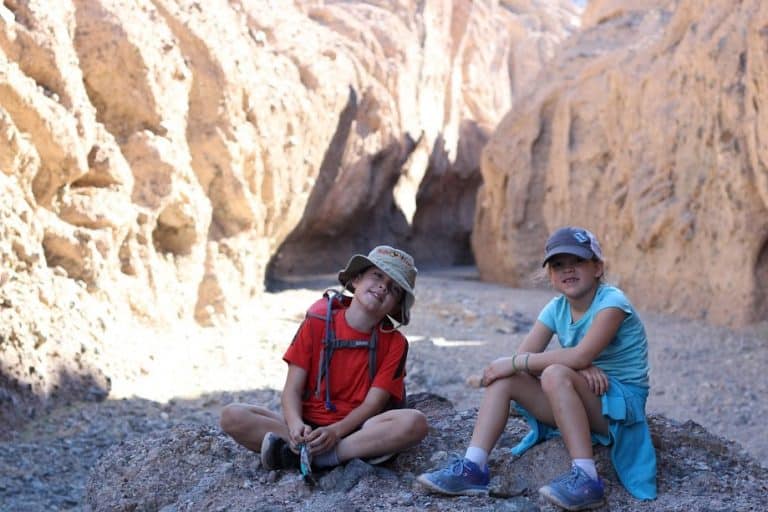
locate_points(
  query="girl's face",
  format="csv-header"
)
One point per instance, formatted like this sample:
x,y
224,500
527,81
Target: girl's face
x,y
377,291
573,276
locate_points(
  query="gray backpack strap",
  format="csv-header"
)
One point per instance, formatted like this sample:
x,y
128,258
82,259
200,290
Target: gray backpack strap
x,y
331,343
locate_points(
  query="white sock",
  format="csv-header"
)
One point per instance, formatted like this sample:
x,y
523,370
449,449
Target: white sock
x,y
477,455
588,465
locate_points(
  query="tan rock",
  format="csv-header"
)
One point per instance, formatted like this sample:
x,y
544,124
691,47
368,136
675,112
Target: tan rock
x,y
163,155
646,130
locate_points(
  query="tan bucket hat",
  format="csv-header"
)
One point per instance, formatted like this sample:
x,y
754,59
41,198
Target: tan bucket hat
x,y
397,264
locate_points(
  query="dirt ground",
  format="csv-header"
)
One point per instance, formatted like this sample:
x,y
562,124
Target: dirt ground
x,y
711,375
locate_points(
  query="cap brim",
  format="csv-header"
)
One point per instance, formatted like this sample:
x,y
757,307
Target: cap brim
x,y
575,250
356,264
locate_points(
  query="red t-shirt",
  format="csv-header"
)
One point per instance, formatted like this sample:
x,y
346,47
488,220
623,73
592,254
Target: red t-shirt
x,y
349,376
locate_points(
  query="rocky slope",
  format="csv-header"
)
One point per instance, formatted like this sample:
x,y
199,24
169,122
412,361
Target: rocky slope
x,y
197,468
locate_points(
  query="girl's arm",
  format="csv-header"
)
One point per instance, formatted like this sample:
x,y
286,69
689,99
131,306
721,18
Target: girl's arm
x,y
536,341
603,329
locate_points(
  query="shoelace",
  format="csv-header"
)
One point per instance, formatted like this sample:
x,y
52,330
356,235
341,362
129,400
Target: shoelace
x,y
571,481
457,468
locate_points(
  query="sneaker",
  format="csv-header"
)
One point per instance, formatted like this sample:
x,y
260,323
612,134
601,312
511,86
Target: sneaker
x,y
462,477
276,454
575,490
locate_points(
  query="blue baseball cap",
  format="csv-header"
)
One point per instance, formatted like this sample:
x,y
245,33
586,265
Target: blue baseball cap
x,y
572,240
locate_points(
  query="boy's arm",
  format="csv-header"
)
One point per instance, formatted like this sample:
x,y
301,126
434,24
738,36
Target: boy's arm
x,y
325,438
292,403
374,403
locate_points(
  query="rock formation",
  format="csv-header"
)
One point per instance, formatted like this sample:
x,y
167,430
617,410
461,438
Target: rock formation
x,y
158,157
648,128
199,468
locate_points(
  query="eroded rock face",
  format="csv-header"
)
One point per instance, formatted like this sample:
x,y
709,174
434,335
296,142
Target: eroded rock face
x,y
156,156
51,327
200,468
648,129
424,94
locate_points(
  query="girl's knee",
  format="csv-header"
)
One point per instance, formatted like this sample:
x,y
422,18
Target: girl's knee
x,y
555,376
499,386
505,389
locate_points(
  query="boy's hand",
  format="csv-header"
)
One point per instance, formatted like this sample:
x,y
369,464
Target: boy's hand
x,y
596,378
498,369
298,433
322,439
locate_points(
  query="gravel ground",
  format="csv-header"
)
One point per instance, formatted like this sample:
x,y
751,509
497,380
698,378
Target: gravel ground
x,y
711,375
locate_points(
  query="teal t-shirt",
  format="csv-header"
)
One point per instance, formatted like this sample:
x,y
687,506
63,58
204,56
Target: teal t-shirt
x,y
626,356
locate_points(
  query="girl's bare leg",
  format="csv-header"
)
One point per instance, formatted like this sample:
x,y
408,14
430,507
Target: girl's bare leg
x,y
494,408
576,409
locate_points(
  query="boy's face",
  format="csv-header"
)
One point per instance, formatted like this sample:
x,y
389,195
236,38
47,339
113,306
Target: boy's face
x,y
376,289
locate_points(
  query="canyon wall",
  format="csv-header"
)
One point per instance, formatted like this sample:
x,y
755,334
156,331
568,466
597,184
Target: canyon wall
x,y
162,158
649,128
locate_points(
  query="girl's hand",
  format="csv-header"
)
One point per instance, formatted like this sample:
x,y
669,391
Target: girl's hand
x,y
498,369
322,439
596,378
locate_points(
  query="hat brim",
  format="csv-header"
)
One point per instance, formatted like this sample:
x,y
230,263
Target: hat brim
x,y
360,262
575,250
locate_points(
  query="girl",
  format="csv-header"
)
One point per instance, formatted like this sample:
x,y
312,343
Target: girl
x,y
592,390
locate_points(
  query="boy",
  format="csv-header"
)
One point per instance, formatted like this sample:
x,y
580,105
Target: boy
x,y
337,407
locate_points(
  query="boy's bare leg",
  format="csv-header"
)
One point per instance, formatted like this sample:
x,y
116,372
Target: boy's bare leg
x,y
389,432
576,409
247,424
494,408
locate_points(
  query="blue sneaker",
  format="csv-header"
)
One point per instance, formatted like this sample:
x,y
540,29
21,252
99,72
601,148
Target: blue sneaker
x,y
462,477
575,490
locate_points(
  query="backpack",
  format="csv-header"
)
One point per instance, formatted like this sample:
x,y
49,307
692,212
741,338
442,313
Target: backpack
x,y
324,309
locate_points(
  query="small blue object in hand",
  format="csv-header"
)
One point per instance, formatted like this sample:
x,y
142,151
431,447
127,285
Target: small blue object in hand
x,y
305,464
